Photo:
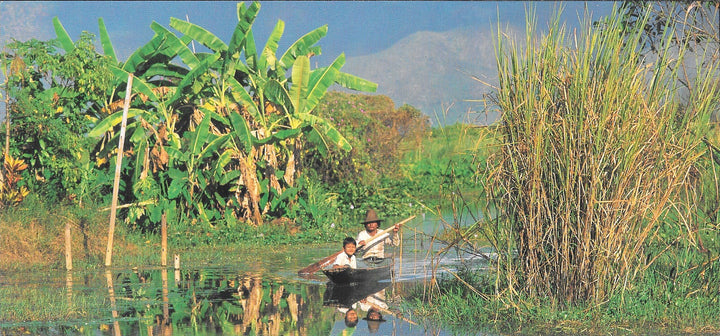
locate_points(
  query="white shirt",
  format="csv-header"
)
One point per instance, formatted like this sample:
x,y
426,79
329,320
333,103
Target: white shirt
x,y
377,299
343,259
378,250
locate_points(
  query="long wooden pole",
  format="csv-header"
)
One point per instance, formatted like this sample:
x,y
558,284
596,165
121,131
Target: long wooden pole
x,y
163,243
327,260
113,303
68,247
7,114
118,167
6,151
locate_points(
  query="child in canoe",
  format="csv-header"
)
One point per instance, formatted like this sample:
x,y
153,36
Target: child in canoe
x,y
347,258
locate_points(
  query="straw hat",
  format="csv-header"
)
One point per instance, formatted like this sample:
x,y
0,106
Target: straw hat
x,y
374,318
371,217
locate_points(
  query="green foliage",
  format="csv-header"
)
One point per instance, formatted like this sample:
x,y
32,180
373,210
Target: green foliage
x,y
449,156
657,303
10,193
214,137
54,97
377,132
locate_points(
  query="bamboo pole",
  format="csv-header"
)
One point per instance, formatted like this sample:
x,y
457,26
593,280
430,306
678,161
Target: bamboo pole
x,y
113,303
163,243
69,287
68,247
165,299
176,263
6,152
7,116
118,167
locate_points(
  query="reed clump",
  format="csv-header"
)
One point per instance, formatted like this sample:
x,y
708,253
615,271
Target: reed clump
x,y
602,150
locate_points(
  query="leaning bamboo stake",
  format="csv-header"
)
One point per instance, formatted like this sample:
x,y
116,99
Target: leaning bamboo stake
x,y
163,243
7,117
68,247
165,299
118,166
113,303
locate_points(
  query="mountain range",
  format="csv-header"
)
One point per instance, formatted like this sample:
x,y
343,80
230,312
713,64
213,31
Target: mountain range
x,y
443,74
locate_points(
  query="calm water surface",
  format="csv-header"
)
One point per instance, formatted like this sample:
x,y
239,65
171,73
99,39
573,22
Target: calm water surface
x,y
244,293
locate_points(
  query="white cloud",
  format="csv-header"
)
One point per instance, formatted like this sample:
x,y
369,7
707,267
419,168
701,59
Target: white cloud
x,y
21,21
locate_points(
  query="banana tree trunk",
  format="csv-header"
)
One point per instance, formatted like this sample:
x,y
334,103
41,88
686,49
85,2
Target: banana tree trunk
x,y
292,165
271,158
251,197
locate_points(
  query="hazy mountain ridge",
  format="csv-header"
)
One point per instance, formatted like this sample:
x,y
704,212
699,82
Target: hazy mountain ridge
x,y
432,70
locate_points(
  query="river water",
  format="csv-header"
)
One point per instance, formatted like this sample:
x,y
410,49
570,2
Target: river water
x,y
239,293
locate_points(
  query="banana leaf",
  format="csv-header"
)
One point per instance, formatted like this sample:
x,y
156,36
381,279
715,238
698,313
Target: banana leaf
x,y
176,45
166,71
276,93
242,131
302,46
325,130
245,21
105,41
65,41
199,34
144,53
320,81
300,80
111,121
192,76
268,57
352,82
242,97
139,85
250,51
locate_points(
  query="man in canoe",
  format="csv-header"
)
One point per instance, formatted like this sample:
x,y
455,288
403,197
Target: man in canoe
x,y
377,250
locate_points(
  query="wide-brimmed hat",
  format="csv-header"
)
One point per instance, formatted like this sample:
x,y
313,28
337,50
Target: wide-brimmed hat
x,y
372,322
371,217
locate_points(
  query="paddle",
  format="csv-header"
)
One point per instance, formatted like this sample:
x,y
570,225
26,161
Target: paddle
x,y
325,261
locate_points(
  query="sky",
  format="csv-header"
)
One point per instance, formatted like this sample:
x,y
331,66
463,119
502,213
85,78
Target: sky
x,y
356,28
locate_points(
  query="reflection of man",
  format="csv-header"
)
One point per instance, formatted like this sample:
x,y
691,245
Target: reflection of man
x,y
377,300
373,304
374,318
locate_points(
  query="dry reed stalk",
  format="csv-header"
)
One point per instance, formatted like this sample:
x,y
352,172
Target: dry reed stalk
x,y
598,150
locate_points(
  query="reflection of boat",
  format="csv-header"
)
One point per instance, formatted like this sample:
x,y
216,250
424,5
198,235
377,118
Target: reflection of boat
x,y
373,271
346,295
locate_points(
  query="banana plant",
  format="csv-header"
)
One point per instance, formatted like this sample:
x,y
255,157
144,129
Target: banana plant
x,y
223,127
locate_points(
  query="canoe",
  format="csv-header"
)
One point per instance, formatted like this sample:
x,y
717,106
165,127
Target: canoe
x,y
371,271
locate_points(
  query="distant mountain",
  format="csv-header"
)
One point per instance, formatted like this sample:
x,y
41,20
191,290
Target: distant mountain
x,y
433,72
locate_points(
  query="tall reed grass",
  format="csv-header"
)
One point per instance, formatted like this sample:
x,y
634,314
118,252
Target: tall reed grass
x,y
601,159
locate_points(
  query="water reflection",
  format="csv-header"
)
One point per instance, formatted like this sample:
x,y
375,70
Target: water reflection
x,y
252,298
219,301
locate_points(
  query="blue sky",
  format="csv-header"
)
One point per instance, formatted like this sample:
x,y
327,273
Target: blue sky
x,y
360,29
354,27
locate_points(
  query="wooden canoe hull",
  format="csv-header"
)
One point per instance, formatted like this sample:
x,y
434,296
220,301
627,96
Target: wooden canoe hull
x,y
344,276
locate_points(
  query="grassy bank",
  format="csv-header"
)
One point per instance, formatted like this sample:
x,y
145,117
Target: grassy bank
x,y
34,239
654,306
